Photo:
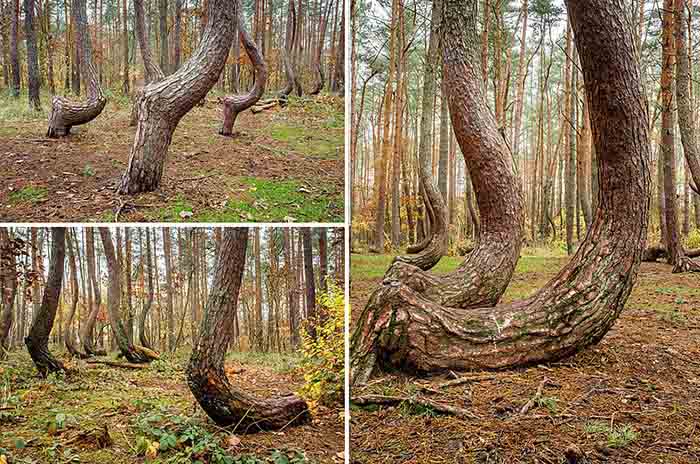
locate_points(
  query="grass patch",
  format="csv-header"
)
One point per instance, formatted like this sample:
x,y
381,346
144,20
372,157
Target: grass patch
x,y
278,362
325,144
616,437
28,194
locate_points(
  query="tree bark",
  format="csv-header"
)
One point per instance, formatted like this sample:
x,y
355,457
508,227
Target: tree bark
x,y
38,339
288,51
68,337
236,104
89,326
32,56
310,282
163,104
206,376
14,53
64,113
320,78
578,306
8,287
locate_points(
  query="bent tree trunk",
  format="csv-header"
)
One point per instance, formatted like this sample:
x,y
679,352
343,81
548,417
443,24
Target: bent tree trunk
x,y
233,105
38,339
8,287
320,78
164,103
143,337
288,51
577,307
152,72
64,113
133,353
485,273
434,245
206,377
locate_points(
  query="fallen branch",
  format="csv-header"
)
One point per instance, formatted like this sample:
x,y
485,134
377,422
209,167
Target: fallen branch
x,y
124,365
394,400
538,394
261,108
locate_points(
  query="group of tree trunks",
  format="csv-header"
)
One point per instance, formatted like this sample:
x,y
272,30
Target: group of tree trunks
x,y
409,328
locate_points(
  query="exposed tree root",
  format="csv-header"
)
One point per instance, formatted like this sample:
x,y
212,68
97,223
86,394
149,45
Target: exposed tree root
x,y
123,365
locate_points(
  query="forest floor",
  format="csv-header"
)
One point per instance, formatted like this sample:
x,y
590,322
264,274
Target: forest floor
x,y
633,398
285,165
59,420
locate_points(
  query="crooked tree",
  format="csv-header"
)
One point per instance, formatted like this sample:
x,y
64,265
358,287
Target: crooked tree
x,y
38,339
64,113
404,328
162,104
233,105
223,403
133,353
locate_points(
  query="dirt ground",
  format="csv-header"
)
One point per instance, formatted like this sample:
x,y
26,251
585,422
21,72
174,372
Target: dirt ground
x,y
41,421
633,398
286,164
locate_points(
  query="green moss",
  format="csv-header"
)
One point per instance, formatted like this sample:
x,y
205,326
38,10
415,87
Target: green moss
x,y
29,194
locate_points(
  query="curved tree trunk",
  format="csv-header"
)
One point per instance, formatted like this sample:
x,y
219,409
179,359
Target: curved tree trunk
x,y
434,245
68,330
205,373
64,113
233,105
682,261
143,337
485,273
576,308
288,51
86,337
320,78
38,339
133,353
8,286
164,103
152,72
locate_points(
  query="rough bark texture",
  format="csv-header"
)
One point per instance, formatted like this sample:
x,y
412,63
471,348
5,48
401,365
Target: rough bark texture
x,y
38,339
8,288
578,306
206,377
86,336
133,353
164,103
233,105
14,54
310,281
484,275
64,113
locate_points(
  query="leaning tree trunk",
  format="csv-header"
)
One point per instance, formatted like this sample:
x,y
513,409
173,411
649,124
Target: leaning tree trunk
x,y
38,339
68,338
152,72
288,51
64,113
683,262
164,103
576,308
484,275
206,377
233,105
8,286
133,353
